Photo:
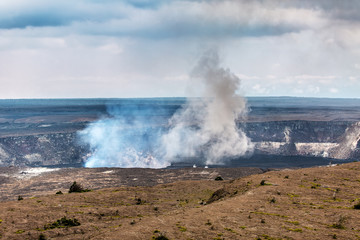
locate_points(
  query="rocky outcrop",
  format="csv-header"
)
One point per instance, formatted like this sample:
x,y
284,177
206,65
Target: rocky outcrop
x,y
299,131
348,146
334,139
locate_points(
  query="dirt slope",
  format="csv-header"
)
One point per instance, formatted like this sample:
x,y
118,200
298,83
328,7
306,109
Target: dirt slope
x,y
34,182
314,203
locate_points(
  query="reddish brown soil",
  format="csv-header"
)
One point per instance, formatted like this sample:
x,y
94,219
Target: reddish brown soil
x,y
314,203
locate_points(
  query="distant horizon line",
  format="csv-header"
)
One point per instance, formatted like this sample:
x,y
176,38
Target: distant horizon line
x,y
105,98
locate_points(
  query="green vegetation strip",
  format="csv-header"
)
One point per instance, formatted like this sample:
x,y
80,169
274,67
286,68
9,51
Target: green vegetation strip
x,y
270,214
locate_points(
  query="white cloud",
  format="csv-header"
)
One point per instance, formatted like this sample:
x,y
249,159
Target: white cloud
x,y
313,77
147,48
112,48
259,89
334,90
297,91
353,79
243,76
271,77
313,89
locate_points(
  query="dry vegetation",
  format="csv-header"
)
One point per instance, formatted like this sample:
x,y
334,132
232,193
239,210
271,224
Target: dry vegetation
x,y
314,203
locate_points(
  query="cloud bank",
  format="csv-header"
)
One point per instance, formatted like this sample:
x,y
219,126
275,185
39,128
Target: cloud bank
x,y
131,48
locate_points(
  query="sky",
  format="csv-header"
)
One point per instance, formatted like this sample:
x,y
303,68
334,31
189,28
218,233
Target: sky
x,y
143,48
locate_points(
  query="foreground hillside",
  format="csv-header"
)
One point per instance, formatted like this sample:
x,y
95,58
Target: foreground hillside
x,y
314,203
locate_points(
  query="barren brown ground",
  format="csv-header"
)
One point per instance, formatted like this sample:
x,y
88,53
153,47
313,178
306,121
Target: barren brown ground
x,y
314,203
21,181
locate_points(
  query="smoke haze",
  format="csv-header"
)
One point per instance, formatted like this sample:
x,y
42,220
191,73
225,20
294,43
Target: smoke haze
x,y
128,137
204,129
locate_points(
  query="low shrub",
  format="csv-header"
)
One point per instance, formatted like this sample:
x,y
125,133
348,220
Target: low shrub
x,y
42,237
340,223
62,223
263,183
217,195
181,228
219,178
139,201
161,236
76,187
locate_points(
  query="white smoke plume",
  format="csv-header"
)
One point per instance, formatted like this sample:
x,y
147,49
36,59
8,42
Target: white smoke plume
x,y
206,127
116,142
203,129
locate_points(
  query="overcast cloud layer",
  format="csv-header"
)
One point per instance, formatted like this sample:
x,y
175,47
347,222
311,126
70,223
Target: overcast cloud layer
x,y
143,48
